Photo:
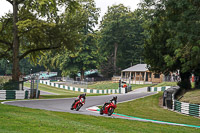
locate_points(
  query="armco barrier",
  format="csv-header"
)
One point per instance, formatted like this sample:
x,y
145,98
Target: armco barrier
x,y
153,89
108,91
187,108
13,94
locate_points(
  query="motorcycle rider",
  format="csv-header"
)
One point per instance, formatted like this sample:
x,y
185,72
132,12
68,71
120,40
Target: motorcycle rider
x,y
114,100
81,96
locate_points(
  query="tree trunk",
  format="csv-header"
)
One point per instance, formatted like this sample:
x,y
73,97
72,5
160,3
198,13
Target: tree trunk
x,y
185,81
82,75
115,58
15,70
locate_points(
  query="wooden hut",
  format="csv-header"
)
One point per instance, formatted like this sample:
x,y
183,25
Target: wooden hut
x,y
139,74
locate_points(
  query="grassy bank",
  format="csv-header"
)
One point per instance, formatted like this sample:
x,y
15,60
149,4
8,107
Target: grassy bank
x,y
149,108
23,120
98,85
191,97
166,84
135,86
62,93
111,85
104,85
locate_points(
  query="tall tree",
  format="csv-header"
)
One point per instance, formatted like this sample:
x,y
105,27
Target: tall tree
x,y
37,26
85,56
173,37
133,44
112,30
121,39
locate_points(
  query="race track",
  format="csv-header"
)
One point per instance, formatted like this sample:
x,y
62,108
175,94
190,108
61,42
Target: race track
x,y
63,105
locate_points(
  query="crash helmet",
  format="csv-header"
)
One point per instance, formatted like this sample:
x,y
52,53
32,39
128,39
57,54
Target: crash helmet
x,y
115,98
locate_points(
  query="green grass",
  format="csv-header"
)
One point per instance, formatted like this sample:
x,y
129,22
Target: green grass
x,y
62,93
148,108
137,86
22,120
111,85
104,85
191,97
98,85
166,84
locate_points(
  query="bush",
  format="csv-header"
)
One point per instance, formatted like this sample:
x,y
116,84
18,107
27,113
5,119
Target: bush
x,y
11,85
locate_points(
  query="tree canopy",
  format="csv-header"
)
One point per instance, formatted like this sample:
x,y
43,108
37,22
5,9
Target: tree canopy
x,y
121,40
35,26
85,55
172,37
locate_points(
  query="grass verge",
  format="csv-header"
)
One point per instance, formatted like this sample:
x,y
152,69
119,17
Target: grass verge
x,y
23,120
137,86
62,93
166,84
191,97
98,85
111,85
149,108
104,85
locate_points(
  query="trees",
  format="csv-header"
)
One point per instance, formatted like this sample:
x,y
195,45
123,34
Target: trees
x,y
84,57
112,30
121,39
173,37
37,26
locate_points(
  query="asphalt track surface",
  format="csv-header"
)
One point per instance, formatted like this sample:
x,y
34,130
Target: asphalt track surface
x,y
64,105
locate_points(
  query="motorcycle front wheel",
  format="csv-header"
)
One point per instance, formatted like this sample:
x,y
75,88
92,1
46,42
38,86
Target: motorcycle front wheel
x,y
101,111
78,106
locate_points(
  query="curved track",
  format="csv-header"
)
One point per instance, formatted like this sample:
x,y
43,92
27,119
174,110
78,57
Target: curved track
x,y
63,105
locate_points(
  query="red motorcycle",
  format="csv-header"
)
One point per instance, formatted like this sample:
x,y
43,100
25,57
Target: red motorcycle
x,y
78,104
109,108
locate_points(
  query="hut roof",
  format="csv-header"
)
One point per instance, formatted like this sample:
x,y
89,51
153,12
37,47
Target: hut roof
x,y
137,68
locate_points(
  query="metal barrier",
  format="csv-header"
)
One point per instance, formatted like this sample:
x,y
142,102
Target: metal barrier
x,y
13,94
72,88
187,108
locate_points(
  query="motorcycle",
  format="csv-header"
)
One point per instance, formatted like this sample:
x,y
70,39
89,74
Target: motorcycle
x,y
108,108
78,104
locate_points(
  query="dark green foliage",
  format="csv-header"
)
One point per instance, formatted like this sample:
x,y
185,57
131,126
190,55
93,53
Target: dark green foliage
x,y
11,85
85,55
172,37
5,67
121,39
37,26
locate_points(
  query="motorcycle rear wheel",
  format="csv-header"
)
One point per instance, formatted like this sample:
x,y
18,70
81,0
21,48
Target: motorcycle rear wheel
x,y
110,111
